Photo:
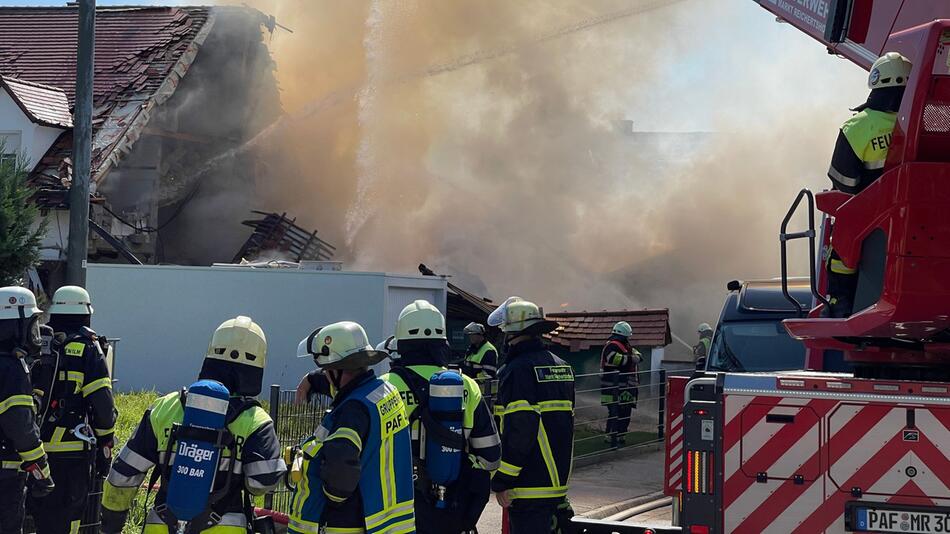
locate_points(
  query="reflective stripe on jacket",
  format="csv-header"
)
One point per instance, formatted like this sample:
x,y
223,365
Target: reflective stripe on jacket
x,y
81,394
536,408
258,467
19,437
868,134
618,366
385,480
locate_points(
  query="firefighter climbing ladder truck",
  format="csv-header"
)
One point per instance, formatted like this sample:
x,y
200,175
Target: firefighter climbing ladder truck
x,y
869,451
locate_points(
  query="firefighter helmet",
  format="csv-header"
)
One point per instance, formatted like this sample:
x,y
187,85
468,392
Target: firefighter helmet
x,y
704,328
342,345
890,70
236,356
71,300
474,329
420,320
517,315
622,328
17,303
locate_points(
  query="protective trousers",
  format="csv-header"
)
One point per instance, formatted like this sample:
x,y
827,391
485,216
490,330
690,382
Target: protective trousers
x,y
532,517
11,503
618,419
842,286
61,511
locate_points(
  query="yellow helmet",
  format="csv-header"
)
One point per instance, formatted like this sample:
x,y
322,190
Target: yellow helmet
x,y
342,345
239,341
420,320
890,70
517,315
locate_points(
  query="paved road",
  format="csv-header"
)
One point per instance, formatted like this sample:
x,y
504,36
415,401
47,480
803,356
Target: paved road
x,y
599,485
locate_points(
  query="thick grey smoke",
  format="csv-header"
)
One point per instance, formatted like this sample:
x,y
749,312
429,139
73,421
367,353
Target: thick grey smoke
x,y
481,138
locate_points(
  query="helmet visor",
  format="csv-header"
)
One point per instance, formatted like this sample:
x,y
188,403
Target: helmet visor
x,y
498,317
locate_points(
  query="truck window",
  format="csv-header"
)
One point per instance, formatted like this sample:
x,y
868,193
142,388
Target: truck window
x,y
749,346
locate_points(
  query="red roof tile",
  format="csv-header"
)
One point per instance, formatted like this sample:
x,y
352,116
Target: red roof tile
x,y
42,104
583,330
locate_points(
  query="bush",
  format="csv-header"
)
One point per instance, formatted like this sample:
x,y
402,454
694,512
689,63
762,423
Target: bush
x,y
21,228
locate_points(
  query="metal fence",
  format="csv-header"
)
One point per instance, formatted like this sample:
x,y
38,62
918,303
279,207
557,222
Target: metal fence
x,y
295,422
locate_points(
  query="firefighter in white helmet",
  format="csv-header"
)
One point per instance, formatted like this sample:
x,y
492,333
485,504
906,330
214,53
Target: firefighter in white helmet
x,y
424,351
618,382
78,412
236,358
21,450
536,406
365,434
859,157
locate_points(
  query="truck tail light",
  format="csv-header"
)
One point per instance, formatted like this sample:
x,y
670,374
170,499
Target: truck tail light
x,y
699,529
699,472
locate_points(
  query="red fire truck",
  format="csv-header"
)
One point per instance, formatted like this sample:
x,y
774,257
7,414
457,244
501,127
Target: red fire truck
x,y
869,451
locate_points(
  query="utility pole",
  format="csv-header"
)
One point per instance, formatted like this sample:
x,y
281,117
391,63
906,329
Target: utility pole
x,y
78,248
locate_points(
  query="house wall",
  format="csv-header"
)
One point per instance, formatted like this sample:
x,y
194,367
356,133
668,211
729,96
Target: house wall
x,y
165,315
21,134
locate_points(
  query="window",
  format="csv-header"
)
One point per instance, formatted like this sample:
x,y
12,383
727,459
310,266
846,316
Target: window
x,y
9,146
752,346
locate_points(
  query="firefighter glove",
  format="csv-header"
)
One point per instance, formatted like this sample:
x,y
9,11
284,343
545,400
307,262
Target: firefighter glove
x,y
40,481
103,460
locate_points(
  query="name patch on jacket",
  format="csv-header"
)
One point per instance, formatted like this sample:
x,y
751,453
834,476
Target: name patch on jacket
x,y
392,414
554,373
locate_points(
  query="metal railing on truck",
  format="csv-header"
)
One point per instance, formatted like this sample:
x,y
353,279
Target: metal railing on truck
x,y
296,422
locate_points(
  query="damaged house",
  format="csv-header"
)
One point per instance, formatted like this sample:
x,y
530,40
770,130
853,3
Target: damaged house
x,y
177,92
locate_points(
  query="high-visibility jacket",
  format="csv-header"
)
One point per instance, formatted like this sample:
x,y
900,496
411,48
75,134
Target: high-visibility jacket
x,y
258,467
701,349
483,444
861,150
536,407
481,362
19,437
366,427
618,367
81,393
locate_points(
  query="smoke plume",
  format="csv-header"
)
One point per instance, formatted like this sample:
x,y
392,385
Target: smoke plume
x,y
481,138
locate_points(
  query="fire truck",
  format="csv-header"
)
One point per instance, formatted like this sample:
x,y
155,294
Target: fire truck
x,y
815,451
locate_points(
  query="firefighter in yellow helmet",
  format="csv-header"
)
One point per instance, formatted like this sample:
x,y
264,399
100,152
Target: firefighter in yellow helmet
x,y
78,412
236,358
536,407
859,157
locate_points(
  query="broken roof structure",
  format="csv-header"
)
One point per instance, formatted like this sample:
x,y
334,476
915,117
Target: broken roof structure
x,y
141,55
174,88
580,331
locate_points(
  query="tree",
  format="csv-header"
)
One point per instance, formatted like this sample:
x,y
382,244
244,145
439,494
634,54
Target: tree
x,y
21,227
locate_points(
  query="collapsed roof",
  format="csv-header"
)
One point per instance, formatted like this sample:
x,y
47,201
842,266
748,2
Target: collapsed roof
x,y
141,54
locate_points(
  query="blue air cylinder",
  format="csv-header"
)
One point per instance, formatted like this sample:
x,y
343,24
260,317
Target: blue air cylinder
x,y
443,462
196,460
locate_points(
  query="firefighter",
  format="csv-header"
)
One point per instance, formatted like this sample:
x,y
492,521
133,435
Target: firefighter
x,y
236,358
424,351
481,360
701,349
22,456
79,413
536,406
859,157
618,382
357,468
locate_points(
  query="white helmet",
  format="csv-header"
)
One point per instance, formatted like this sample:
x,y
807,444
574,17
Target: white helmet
x,y
342,345
420,320
890,70
474,329
518,315
703,328
622,328
71,300
17,303
239,341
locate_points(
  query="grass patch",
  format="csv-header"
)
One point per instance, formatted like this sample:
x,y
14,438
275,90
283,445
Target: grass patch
x,y
131,407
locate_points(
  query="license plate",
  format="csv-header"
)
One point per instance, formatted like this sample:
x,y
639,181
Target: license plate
x,y
907,521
